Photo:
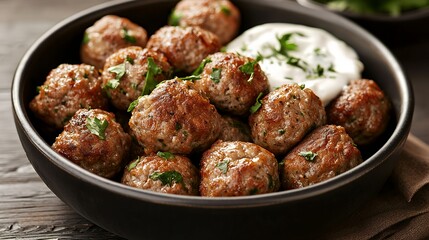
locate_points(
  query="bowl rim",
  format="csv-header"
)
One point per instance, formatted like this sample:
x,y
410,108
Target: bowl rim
x,y
408,16
394,141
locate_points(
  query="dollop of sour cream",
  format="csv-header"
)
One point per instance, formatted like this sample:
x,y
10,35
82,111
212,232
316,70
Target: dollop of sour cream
x,y
291,53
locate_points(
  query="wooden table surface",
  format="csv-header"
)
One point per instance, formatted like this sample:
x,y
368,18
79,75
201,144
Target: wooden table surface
x,y
28,209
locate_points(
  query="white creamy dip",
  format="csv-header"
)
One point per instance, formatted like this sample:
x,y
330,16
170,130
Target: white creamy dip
x,y
309,56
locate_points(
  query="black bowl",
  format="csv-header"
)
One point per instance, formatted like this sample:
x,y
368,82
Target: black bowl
x,y
138,214
395,31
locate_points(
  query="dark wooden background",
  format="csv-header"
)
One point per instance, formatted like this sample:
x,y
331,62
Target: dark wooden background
x,y
28,209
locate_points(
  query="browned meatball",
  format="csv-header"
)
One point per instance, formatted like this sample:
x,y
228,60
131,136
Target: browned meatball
x,y
232,82
94,141
234,129
107,35
125,73
218,16
184,47
175,118
238,169
325,153
67,89
163,172
285,116
362,109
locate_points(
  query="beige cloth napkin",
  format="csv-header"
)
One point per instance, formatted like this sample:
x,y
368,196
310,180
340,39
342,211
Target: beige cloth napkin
x,y
401,209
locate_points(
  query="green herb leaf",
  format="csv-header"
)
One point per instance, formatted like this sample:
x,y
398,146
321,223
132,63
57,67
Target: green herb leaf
x,y
152,71
297,62
191,78
85,39
225,10
126,36
216,75
331,68
119,70
133,104
97,127
165,155
112,83
308,155
302,86
130,60
174,19
249,67
257,104
223,166
200,68
133,164
167,178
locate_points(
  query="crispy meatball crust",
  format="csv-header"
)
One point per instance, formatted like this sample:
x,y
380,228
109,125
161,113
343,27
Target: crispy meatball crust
x,y
362,109
334,153
286,115
231,90
134,61
175,118
179,175
238,169
107,35
220,17
68,88
104,157
184,47
234,129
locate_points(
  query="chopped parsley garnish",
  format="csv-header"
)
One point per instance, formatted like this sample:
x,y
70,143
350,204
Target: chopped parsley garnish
x,y
302,86
97,127
331,68
200,68
112,83
191,78
130,60
167,178
133,104
225,10
165,155
152,71
297,62
286,44
308,155
216,75
249,67
174,19
133,164
126,36
85,39
119,70
257,104
223,166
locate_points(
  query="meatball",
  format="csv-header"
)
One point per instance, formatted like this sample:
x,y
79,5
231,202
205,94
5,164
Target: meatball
x,y
163,172
107,35
234,129
184,47
220,17
285,116
325,153
94,141
238,169
232,82
125,73
362,109
67,89
175,118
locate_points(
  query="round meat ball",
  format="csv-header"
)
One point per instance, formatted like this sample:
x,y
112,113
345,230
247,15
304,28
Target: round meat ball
x,y
68,88
175,118
228,86
238,169
94,141
184,47
220,17
362,109
107,35
125,73
234,129
163,172
325,153
285,116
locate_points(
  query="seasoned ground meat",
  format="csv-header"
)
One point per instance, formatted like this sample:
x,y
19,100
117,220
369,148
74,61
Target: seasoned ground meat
x,y
325,153
107,35
175,118
238,169
67,89
234,129
163,172
125,73
232,82
220,17
184,47
286,115
362,109
94,141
